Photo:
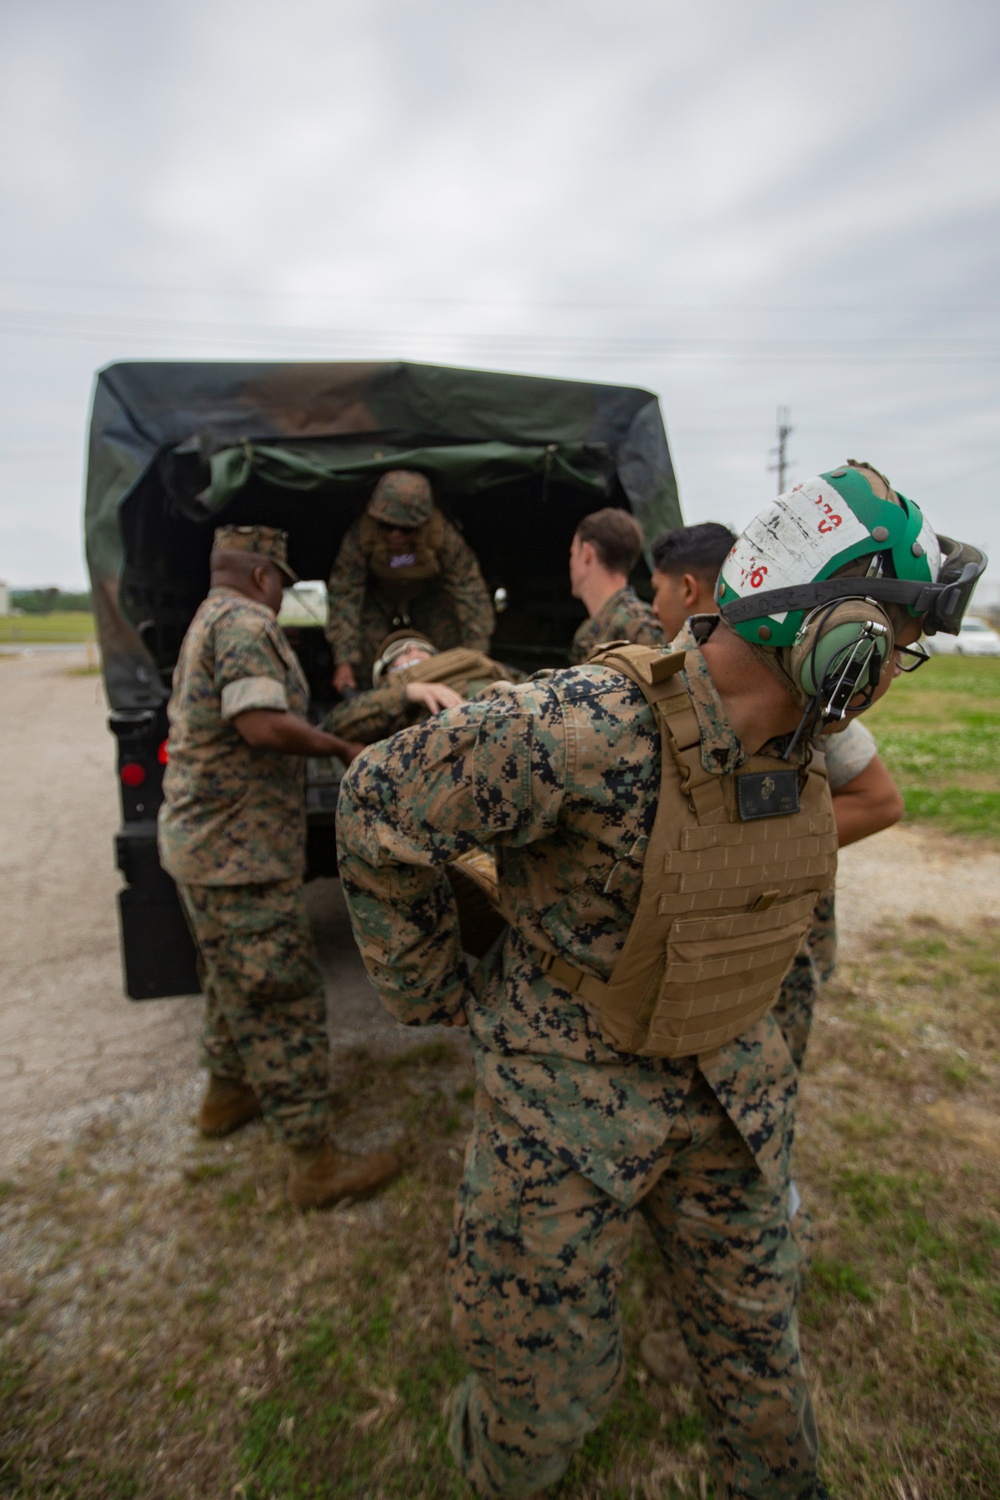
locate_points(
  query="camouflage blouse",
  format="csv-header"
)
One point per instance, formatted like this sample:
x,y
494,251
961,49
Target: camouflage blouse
x,y
623,617
569,759
460,587
232,815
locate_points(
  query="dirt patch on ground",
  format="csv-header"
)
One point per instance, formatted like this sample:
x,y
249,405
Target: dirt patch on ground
x,y
911,871
72,1047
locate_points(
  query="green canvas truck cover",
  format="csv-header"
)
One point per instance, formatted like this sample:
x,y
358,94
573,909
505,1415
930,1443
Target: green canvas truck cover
x,y
177,448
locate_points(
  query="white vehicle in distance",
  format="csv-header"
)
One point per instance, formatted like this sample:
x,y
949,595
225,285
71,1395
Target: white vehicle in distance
x,y
975,638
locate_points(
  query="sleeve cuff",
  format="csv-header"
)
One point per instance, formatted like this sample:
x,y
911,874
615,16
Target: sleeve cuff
x,y
848,754
252,692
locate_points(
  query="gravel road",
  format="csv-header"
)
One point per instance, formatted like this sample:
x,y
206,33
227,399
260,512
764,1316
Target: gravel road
x,y
71,1045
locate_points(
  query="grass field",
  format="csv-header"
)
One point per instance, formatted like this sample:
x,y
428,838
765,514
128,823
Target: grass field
x,y
183,1333
938,732
71,625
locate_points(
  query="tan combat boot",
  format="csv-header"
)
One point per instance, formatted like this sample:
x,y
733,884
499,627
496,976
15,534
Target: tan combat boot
x,y
228,1104
321,1175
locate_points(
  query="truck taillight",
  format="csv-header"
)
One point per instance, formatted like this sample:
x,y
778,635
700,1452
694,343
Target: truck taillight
x,y
163,754
132,774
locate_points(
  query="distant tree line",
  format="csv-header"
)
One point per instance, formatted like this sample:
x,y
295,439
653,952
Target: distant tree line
x,y
48,601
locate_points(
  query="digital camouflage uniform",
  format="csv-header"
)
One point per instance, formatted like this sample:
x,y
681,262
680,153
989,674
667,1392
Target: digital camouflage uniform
x,y
384,710
452,609
623,617
847,754
232,834
571,1137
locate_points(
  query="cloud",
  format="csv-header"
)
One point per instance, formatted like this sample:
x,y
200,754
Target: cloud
x,y
735,206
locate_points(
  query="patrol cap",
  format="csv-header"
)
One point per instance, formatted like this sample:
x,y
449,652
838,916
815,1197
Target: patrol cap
x,y
402,497
396,645
268,542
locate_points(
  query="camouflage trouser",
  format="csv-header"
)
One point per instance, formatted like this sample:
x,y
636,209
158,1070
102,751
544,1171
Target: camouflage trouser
x,y
537,1257
265,1012
811,969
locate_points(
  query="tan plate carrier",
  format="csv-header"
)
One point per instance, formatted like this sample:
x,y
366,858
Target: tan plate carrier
x,y
724,904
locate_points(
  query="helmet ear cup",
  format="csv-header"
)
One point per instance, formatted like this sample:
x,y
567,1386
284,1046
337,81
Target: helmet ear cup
x,y
827,637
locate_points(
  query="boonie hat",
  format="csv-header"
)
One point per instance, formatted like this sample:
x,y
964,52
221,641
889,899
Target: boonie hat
x,y
396,645
402,497
264,541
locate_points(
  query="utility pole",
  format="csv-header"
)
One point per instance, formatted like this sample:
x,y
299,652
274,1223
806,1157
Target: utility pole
x,y
784,430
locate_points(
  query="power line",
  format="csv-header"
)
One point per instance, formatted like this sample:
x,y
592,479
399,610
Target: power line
x,y
423,299
368,343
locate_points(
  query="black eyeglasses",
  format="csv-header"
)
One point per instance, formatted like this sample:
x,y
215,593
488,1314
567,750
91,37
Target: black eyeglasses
x,y
909,658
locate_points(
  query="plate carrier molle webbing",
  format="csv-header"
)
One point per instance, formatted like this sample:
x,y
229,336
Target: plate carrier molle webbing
x,y
724,903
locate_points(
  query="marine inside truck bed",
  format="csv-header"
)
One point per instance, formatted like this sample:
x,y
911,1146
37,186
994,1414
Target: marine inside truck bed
x,y
177,449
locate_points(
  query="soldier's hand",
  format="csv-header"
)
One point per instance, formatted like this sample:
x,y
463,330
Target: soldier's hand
x,y
345,750
432,695
290,734
343,678
461,1019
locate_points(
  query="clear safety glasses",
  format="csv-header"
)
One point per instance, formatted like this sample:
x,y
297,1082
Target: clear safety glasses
x,y
909,658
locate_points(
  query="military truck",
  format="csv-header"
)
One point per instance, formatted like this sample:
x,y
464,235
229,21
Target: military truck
x,y
179,448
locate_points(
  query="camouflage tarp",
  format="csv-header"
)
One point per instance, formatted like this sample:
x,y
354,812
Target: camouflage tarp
x,y
175,448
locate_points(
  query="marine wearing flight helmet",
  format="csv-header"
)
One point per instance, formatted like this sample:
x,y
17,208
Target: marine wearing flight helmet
x,y
687,561
686,565
626,1057
402,564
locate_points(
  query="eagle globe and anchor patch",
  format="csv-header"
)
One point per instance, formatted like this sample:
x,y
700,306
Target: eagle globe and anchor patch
x,y
767,794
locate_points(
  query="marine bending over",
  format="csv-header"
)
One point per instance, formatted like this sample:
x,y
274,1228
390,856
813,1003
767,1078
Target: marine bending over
x,y
616,1075
686,566
403,565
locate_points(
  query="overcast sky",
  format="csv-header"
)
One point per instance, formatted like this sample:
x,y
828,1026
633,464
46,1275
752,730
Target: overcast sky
x,y
736,206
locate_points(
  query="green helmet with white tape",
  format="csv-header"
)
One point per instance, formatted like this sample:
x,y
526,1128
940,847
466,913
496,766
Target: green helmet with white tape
x,y
810,534
822,580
